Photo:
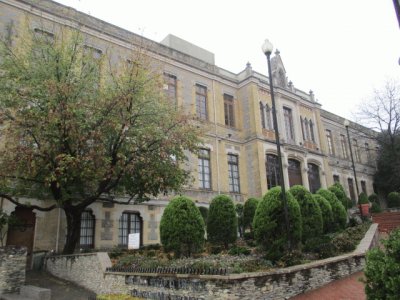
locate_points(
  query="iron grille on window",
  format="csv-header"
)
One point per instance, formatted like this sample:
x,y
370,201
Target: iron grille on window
x,y
233,170
86,240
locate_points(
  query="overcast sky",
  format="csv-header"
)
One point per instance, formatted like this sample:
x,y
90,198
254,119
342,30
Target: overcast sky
x,y
340,49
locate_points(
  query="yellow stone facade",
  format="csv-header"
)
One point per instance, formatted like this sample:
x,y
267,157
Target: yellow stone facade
x,y
250,139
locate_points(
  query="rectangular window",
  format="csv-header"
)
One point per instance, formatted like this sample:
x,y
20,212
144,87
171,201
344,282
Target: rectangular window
x,y
129,222
351,189
273,171
330,141
287,113
356,151
364,187
233,170
367,150
170,86
204,169
201,102
86,237
229,110
344,146
336,179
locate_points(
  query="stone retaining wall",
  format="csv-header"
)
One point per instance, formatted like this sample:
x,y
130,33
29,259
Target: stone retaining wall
x,y
12,268
276,284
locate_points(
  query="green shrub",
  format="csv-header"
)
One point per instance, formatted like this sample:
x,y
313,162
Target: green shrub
x,y
338,211
382,276
250,207
363,199
270,227
394,199
204,213
326,210
375,208
343,243
321,246
311,214
373,198
182,227
340,194
238,250
222,221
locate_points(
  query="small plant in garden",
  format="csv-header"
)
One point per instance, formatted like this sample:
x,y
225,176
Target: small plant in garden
x,y
270,226
311,214
393,199
182,227
382,276
373,198
238,250
326,211
375,204
222,221
338,210
250,207
363,199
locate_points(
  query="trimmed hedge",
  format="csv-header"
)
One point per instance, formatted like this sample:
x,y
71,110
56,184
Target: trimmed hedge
x,y
338,210
182,227
249,211
222,221
204,213
270,227
311,214
326,210
340,194
394,199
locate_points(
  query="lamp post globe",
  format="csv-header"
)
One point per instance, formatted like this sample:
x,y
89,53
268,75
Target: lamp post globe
x,y
267,47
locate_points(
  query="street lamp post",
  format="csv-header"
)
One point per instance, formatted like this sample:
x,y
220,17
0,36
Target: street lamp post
x,y
346,123
267,48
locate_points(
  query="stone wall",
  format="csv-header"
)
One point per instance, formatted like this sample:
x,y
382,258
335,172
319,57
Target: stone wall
x,y
88,270
12,268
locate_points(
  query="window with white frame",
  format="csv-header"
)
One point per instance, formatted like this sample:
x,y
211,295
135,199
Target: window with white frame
x,y
233,172
204,169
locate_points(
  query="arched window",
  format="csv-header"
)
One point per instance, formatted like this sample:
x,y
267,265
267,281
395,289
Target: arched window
x,y
302,128
294,171
307,129
262,115
130,222
86,239
273,171
313,178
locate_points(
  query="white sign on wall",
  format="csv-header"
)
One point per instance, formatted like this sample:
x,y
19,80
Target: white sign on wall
x,y
134,241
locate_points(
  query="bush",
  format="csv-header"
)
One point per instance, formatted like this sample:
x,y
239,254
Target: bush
x,y
326,210
237,250
222,221
270,227
373,198
182,227
363,199
382,276
340,194
250,207
375,208
338,210
321,246
394,199
311,214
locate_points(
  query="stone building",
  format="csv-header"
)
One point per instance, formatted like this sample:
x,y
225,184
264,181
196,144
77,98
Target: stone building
x,y
239,155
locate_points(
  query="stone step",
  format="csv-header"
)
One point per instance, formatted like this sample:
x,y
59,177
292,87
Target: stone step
x,y
29,292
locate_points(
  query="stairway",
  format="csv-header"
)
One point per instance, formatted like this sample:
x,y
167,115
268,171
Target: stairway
x,y
387,221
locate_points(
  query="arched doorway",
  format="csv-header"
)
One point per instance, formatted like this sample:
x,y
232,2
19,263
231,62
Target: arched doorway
x,y
313,177
23,233
294,171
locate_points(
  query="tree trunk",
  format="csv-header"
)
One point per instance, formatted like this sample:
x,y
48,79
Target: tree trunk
x,y
73,228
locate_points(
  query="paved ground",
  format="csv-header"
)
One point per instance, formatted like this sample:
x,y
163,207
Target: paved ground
x,y
349,288
60,289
